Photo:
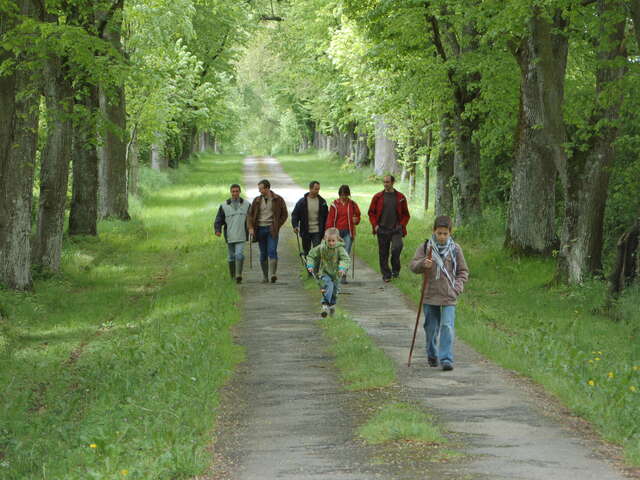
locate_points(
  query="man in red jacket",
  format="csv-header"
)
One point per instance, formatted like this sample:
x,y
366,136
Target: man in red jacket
x,y
389,215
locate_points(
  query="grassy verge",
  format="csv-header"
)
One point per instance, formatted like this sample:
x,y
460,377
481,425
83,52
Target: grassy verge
x,y
554,335
110,369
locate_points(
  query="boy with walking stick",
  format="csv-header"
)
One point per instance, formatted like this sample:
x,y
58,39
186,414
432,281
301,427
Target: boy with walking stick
x,y
446,272
331,262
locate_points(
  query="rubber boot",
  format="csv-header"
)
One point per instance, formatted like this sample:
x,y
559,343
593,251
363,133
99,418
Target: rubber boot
x,y
273,269
239,265
232,269
265,271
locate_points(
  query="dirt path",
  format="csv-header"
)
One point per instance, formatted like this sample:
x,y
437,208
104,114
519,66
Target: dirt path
x,y
286,416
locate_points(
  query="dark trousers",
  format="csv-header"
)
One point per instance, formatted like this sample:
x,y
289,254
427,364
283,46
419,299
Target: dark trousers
x,y
310,240
389,241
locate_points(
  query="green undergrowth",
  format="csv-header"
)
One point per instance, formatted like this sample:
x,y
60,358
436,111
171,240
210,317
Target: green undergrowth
x,y
556,335
362,364
400,421
111,368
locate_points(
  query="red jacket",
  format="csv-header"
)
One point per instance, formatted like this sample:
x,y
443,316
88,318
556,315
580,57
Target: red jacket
x,y
341,216
402,209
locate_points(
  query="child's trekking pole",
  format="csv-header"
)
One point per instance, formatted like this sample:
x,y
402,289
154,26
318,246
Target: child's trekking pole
x,y
300,252
353,258
425,281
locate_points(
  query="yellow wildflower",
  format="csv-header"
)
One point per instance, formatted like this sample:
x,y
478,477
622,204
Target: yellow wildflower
x,y
591,383
597,359
610,375
632,388
636,368
93,445
124,472
591,360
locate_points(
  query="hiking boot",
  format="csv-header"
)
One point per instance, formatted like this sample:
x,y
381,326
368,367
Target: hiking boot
x,y
344,280
332,311
386,279
232,269
324,310
265,271
239,265
433,362
395,274
447,366
273,268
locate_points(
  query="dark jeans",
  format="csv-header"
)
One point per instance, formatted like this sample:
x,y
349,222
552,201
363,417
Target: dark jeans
x,y
389,240
310,240
267,243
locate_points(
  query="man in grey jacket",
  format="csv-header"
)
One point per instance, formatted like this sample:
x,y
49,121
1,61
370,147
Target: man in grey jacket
x,y
232,220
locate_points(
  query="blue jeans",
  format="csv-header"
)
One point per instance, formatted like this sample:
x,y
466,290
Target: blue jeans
x,y
268,244
347,239
330,288
439,327
236,251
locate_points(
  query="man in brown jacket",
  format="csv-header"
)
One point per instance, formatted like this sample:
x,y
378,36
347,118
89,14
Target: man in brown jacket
x,y
442,260
268,213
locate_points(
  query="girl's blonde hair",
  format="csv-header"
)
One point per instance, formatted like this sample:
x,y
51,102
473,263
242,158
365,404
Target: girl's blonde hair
x,y
331,232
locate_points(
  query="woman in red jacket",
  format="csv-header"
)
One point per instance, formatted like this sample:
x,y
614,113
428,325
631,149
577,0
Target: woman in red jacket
x,y
344,215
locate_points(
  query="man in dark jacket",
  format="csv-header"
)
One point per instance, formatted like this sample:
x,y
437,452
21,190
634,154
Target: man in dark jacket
x,y
309,217
389,215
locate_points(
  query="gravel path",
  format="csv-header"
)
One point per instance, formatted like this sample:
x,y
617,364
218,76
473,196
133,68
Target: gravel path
x,y
286,416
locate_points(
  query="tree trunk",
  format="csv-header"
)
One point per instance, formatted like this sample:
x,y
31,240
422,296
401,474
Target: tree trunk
x,y
133,161
54,169
466,168
386,161
542,57
627,265
18,139
158,159
113,198
444,170
427,165
83,218
588,172
361,150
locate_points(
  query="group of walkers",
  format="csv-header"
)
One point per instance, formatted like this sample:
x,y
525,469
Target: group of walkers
x,y
327,234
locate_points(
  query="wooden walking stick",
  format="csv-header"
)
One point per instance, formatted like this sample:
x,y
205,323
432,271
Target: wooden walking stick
x,y
250,251
425,281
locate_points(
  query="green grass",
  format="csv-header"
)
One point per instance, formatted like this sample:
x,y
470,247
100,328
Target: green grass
x,y
555,335
400,421
362,364
112,367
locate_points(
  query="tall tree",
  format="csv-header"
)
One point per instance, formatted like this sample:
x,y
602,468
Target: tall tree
x,y
54,168
113,200
542,57
586,172
18,139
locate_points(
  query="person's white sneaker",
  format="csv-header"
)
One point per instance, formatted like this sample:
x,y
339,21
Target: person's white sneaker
x,y
324,311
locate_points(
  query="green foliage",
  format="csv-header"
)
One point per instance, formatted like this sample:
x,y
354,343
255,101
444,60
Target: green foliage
x,y
117,361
